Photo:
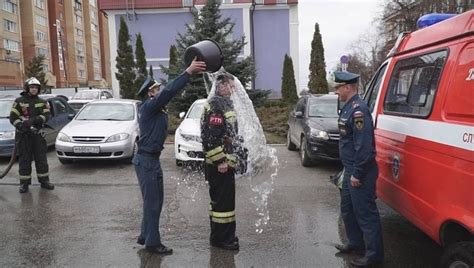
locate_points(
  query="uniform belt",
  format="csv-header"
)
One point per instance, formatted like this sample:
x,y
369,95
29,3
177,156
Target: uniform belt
x,y
145,153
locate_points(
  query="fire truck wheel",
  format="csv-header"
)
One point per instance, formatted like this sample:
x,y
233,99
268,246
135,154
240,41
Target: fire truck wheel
x,y
458,255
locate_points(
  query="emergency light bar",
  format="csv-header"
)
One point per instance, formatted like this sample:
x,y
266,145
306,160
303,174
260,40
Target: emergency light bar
x,y
433,18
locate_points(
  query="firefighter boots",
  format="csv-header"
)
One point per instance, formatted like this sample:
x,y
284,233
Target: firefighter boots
x,y
47,185
23,188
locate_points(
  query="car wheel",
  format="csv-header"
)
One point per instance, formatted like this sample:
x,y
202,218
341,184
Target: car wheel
x,y
135,150
65,161
179,163
289,145
458,255
305,160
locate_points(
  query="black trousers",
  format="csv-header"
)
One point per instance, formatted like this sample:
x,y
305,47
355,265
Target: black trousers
x,y
222,207
32,147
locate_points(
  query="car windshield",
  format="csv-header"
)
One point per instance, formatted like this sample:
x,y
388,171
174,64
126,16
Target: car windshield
x,y
107,111
196,111
323,108
5,108
86,95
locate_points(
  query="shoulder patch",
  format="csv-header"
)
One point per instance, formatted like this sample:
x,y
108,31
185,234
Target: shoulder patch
x,y
359,122
358,114
216,120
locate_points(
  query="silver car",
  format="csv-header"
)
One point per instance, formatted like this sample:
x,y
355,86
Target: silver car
x,y
83,97
103,129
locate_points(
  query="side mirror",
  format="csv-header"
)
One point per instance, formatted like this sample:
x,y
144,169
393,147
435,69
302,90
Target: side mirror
x,y
299,114
71,116
182,114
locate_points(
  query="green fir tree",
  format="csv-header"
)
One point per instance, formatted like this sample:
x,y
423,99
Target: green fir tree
x,y
140,57
288,83
35,69
317,68
209,24
125,66
150,72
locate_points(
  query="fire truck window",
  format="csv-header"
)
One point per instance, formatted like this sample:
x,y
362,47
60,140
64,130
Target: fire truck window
x,y
413,84
374,88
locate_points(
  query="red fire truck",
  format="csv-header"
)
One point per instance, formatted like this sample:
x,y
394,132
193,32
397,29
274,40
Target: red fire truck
x,y
422,100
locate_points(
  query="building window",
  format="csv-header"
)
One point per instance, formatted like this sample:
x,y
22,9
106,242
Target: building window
x,y
80,59
93,27
61,1
10,7
80,49
42,51
96,53
40,36
41,20
94,40
78,18
92,3
93,18
79,32
61,16
45,68
77,5
97,77
11,45
96,64
39,4
82,73
10,26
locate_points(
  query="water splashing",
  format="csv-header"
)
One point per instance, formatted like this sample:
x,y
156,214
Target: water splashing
x,y
262,159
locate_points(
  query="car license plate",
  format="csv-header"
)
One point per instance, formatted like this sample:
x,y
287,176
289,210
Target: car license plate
x,y
86,149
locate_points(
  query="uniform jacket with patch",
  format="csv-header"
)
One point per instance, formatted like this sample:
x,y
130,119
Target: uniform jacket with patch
x,y
357,143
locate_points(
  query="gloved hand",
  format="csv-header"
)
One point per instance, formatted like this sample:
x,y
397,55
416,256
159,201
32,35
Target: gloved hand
x,y
24,126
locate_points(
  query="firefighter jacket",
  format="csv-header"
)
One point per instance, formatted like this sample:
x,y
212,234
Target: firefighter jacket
x,y
29,111
219,131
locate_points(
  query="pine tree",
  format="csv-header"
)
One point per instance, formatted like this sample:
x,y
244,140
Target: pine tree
x,y
209,24
35,69
288,83
317,68
173,63
125,66
141,62
150,72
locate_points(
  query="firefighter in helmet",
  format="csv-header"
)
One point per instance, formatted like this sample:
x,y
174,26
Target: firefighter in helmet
x,y
29,113
219,133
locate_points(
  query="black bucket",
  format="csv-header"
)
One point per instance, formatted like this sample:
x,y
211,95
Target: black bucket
x,y
207,51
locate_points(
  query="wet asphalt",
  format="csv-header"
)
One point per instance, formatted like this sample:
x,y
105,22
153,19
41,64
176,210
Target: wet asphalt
x,y
93,216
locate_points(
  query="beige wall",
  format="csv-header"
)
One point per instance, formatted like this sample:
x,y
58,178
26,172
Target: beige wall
x,y
10,61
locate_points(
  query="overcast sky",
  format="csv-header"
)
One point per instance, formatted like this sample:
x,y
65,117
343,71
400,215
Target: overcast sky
x,y
340,23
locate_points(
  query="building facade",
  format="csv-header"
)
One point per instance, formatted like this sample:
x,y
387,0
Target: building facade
x,y
11,58
66,32
270,28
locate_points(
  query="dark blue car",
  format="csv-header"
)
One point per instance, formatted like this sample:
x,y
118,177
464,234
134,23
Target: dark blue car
x,y
61,114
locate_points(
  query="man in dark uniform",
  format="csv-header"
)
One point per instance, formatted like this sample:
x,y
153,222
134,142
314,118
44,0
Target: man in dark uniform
x,y
153,123
219,135
28,115
357,150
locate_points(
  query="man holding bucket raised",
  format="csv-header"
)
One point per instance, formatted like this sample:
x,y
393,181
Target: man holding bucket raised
x,y
153,124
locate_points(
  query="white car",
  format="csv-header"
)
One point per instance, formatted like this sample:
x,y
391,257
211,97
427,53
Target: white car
x,y
103,129
187,140
83,97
